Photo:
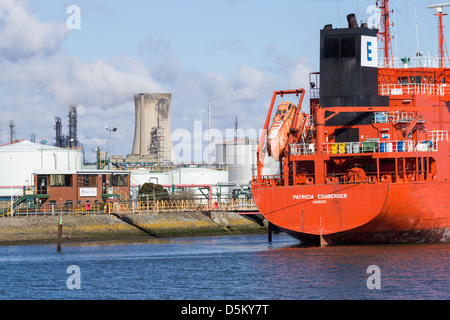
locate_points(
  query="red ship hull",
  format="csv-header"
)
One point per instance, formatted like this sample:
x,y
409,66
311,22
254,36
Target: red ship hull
x,y
359,213
371,163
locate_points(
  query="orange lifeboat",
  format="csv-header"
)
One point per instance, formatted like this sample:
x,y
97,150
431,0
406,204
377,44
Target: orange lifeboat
x,y
278,132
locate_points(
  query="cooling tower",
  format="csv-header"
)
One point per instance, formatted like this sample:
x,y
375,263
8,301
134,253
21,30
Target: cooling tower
x,y
152,133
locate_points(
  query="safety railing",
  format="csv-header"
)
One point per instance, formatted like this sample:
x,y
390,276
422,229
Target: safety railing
x,y
335,148
393,117
116,206
413,88
411,62
350,178
375,147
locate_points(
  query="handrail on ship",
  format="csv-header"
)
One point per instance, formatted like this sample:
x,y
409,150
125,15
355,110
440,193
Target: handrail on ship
x,y
334,148
406,176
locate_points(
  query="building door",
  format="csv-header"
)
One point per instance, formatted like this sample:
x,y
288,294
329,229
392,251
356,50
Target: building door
x,y
42,184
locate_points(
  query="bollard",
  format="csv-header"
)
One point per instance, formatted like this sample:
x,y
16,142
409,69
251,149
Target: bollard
x,y
60,226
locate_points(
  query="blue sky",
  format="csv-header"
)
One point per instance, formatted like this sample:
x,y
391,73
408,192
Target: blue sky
x,y
234,53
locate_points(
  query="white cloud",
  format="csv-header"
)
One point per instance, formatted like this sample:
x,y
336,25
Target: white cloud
x,y
22,35
39,81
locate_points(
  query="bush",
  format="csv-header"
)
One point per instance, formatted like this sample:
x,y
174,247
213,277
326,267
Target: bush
x,y
154,191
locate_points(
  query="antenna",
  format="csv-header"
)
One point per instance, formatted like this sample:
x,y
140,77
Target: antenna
x,y
385,33
418,52
442,45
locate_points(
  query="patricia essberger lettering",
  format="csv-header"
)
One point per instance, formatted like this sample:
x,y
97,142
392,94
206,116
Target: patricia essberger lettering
x,y
303,197
332,196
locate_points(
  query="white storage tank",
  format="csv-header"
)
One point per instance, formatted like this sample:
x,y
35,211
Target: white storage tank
x,y
240,158
19,160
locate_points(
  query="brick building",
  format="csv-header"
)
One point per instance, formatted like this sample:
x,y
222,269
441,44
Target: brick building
x,y
70,189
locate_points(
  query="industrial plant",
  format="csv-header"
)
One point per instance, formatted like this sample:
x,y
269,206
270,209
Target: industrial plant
x,y
151,159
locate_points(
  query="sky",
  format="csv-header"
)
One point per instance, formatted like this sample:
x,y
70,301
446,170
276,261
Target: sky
x,y
231,53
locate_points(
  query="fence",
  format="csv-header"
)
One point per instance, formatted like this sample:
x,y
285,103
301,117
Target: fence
x,y
130,207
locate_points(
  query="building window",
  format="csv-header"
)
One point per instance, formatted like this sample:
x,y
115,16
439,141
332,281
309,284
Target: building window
x,y
87,180
119,180
60,180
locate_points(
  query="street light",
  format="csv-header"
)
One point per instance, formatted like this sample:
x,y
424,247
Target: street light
x,y
11,182
114,129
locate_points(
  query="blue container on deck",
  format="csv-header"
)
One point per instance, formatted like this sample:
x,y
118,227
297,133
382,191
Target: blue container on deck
x,y
401,146
383,147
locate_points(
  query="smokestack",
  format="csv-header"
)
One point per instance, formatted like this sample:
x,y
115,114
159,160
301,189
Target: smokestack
x,y
73,140
11,127
58,128
152,127
352,23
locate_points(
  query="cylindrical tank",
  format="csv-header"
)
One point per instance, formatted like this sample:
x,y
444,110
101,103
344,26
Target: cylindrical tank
x,y
18,161
240,157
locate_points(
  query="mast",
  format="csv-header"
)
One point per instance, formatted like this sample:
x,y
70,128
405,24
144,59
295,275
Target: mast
x,y
385,33
442,46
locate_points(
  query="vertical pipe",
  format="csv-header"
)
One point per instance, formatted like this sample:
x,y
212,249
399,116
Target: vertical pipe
x,y
320,128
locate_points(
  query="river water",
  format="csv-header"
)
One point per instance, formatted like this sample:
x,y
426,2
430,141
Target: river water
x,y
224,268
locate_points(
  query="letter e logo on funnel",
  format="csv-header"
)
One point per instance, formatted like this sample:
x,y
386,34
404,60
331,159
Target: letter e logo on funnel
x,y
369,51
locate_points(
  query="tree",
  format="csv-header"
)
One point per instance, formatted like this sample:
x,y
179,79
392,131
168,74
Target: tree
x,y
154,191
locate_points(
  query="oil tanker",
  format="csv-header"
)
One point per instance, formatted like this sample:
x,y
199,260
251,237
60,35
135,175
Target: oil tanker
x,y
369,164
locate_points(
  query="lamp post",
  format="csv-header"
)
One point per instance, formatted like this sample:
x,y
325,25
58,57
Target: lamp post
x,y
11,182
114,129
68,153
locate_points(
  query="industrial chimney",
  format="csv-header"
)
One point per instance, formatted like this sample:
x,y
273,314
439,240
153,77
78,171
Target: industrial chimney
x,y
152,134
73,140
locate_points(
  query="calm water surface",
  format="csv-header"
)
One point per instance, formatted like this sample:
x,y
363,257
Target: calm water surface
x,y
224,268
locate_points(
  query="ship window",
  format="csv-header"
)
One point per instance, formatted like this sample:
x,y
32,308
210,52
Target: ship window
x,y
284,111
331,47
348,47
416,79
403,81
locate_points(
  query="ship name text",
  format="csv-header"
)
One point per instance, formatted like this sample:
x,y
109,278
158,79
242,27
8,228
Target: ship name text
x,y
319,196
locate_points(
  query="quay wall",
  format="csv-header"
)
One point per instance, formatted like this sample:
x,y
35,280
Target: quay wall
x,y
102,227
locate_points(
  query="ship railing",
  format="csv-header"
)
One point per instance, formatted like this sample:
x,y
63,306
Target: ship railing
x,y
410,62
333,148
302,179
393,117
436,136
302,149
377,147
382,177
413,88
